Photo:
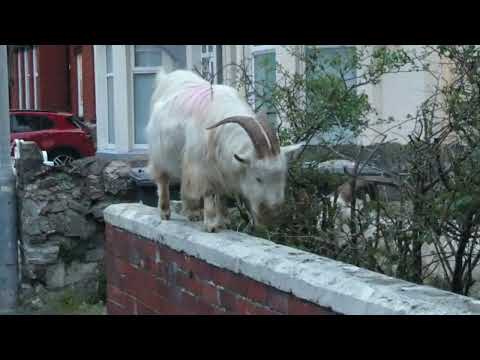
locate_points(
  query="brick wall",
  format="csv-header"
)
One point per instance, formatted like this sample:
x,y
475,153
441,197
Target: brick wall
x,y
14,86
53,78
88,73
145,277
57,81
89,107
175,267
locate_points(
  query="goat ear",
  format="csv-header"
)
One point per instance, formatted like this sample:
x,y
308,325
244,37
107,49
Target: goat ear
x,y
292,151
241,160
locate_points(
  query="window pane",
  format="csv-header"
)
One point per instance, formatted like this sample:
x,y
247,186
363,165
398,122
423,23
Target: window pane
x,y
143,88
109,59
111,113
44,123
169,56
13,124
265,78
320,62
22,123
323,62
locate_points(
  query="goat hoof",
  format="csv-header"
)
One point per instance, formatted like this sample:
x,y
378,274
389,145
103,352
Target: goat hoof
x,y
194,217
212,228
165,216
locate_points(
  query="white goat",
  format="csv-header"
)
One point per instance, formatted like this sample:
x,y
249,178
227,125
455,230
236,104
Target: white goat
x,y
208,137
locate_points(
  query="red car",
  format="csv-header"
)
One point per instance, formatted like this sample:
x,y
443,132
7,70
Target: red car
x,y
62,135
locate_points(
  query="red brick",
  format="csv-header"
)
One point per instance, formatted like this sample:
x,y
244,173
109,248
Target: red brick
x,y
277,300
149,248
209,294
236,283
111,274
166,307
140,284
235,304
228,300
120,243
257,292
142,253
189,304
186,282
162,288
260,310
199,268
53,77
115,295
114,309
219,311
130,305
172,256
297,306
117,271
160,270
202,289
167,300
202,308
242,306
142,309
108,234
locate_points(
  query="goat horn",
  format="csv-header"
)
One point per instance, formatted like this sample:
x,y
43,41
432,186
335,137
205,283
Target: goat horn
x,y
254,131
272,135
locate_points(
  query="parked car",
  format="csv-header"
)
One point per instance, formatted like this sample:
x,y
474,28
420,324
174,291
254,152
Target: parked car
x,y
62,135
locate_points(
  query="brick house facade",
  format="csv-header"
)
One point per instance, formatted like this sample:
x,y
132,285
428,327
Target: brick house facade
x,y
46,77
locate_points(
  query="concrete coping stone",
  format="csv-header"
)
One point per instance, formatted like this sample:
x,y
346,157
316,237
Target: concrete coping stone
x,y
344,288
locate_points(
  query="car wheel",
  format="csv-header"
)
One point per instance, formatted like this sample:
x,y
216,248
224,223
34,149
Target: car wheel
x,y
62,159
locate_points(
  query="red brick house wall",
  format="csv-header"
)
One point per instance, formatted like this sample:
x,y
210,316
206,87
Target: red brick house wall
x,y
31,77
88,73
57,80
53,79
13,76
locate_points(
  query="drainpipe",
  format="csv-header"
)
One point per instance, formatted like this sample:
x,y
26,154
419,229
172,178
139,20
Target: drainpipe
x,y
8,209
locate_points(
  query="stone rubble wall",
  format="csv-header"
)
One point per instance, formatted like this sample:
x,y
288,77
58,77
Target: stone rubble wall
x,y
61,226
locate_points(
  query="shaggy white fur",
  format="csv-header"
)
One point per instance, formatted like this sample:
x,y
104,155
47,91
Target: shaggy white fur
x,y
209,163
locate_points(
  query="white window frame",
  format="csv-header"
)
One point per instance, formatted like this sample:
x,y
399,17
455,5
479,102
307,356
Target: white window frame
x,y
20,78
211,56
26,67
35,77
101,100
79,59
141,70
109,75
123,98
134,71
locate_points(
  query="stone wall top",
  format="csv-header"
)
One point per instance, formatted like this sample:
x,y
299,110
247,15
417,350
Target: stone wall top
x,y
344,288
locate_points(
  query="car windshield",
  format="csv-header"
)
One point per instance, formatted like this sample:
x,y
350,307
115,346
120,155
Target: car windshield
x,y
77,121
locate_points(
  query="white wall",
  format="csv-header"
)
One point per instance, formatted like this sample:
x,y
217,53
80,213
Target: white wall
x,y
395,96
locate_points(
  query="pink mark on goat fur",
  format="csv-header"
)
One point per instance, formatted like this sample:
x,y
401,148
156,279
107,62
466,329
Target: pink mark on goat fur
x,y
195,98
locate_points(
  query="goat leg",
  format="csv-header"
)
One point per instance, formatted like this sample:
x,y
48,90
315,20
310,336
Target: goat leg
x,y
210,213
163,190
